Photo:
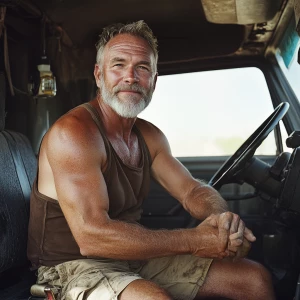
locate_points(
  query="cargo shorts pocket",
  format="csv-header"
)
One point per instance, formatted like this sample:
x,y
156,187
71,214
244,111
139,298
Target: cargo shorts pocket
x,y
91,286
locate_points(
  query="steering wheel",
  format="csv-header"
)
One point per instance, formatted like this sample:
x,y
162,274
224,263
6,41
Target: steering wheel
x,y
238,160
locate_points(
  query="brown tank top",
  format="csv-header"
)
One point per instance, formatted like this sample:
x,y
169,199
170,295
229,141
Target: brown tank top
x,y
50,240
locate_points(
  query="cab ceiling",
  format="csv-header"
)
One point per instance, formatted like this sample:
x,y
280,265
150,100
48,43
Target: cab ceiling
x,y
181,26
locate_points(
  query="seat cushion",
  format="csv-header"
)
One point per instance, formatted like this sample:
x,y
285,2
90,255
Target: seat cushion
x,y
14,207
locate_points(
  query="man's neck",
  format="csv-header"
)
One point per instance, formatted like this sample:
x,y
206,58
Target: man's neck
x,y
116,127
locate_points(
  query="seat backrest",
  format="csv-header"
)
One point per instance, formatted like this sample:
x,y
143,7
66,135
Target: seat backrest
x,y
14,205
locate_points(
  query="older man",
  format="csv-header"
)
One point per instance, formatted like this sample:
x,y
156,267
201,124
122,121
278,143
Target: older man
x,y
95,165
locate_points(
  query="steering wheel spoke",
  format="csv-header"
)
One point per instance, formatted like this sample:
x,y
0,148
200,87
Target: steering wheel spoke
x,y
235,163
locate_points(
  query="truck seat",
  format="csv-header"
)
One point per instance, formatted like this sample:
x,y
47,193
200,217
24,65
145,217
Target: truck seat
x,y
18,169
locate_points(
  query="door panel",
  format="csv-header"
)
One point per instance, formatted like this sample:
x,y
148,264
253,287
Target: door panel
x,y
160,210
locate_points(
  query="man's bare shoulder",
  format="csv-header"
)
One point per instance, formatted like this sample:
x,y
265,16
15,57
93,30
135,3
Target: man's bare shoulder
x,y
154,137
148,128
75,133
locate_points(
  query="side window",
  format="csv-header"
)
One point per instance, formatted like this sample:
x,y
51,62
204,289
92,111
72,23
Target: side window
x,y
292,73
288,57
211,113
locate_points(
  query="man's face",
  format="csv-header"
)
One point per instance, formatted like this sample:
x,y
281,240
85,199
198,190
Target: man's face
x,y
127,76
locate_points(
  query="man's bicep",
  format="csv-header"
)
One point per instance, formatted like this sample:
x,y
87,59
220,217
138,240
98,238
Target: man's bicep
x,y
84,203
82,192
172,175
79,183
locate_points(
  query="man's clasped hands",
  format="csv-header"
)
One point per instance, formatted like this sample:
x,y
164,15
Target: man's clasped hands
x,y
223,235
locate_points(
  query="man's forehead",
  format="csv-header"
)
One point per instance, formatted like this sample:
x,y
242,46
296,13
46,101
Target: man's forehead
x,y
128,44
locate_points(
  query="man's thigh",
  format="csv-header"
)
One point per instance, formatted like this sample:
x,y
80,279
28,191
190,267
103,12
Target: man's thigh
x,y
91,279
181,275
88,279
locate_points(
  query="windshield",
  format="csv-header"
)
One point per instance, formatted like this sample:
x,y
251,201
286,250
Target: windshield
x,y
211,113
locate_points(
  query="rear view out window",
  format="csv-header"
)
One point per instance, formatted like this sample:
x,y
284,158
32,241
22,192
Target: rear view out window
x,y
211,113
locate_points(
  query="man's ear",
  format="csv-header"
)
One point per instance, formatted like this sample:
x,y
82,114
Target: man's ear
x,y
155,79
97,74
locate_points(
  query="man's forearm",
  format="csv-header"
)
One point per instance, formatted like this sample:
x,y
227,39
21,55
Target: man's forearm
x,y
121,240
203,200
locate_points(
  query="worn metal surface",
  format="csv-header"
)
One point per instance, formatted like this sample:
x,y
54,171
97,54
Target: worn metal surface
x,y
240,11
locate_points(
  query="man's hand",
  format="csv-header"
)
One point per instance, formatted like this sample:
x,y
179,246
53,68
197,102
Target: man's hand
x,y
222,236
213,235
240,237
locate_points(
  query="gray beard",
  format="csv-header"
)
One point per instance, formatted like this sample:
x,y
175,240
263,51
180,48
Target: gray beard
x,y
128,109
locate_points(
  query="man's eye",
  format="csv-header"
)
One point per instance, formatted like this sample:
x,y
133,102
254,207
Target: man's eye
x,y
118,65
144,68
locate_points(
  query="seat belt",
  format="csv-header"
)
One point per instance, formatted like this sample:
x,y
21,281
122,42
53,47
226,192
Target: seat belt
x,y
20,168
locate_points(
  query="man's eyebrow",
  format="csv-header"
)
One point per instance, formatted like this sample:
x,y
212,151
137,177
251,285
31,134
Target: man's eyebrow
x,y
145,62
117,59
120,59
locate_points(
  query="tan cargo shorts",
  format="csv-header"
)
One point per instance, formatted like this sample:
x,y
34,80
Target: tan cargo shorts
x,y
105,279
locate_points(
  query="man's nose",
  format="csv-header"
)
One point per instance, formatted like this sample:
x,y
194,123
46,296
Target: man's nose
x,y
130,76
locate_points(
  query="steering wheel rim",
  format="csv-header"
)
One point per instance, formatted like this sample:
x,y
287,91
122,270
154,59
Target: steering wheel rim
x,y
245,152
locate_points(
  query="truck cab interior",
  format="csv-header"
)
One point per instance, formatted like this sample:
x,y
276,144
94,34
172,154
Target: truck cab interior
x,y
227,98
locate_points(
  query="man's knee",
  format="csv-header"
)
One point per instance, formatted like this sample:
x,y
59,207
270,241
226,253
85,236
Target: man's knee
x,y
144,289
256,280
259,281
259,276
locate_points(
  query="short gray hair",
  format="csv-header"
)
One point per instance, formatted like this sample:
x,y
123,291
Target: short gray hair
x,y
139,29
